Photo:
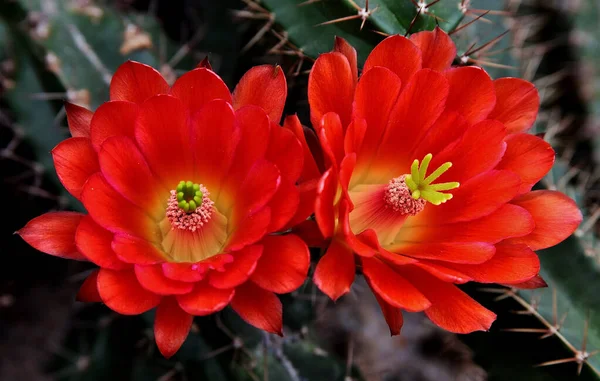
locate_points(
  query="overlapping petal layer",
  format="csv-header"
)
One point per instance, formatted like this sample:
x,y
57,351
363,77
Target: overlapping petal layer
x,y
376,202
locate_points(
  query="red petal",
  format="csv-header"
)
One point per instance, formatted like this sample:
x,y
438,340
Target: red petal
x,y
456,252
136,82
214,139
205,299
374,103
111,211
54,233
510,264
263,86
88,292
331,135
472,93
79,119
529,157
324,208
330,88
393,288
125,169
479,150
75,161
95,243
437,48
450,308
506,222
309,170
517,103
283,266
392,315
398,54
449,127
184,272
238,271
122,293
164,136
533,283
257,190
198,87
285,151
342,46
443,273
154,280
171,326
258,307
249,230
418,107
113,118
474,199
135,250
284,203
335,271
355,135
556,218
306,204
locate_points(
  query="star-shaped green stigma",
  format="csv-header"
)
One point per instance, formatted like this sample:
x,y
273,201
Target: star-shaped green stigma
x,y
421,186
189,196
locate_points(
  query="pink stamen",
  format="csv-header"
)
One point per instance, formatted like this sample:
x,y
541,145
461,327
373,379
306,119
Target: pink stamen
x,y
399,198
189,221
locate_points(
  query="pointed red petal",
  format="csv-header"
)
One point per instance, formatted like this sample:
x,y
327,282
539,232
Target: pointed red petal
x,y
285,204
456,252
373,103
88,292
79,119
283,266
450,308
335,271
285,151
398,54
472,93
506,222
330,88
205,299
324,208
258,307
154,280
393,315
94,242
342,46
125,169
249,230
122,293
437,48
510,264
331,135
111,211
257,189
171,326
238,271
556,218
446,131
263,86
54,233
310,170
198,87
392,287
529,157
184,272
136,82
75,161
113,118
163,134
517,103
533,283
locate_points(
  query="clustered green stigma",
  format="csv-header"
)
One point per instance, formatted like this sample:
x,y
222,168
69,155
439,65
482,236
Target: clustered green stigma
x,y
189,196
421,186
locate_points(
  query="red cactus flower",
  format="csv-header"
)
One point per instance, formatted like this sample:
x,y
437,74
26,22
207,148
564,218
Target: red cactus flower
x,y
428,180
184,186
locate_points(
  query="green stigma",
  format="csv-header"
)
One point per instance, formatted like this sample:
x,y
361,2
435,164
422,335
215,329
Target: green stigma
x,y
420,185
189,196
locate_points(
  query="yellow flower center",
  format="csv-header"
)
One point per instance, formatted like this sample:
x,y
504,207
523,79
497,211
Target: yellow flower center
x,y
421,186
